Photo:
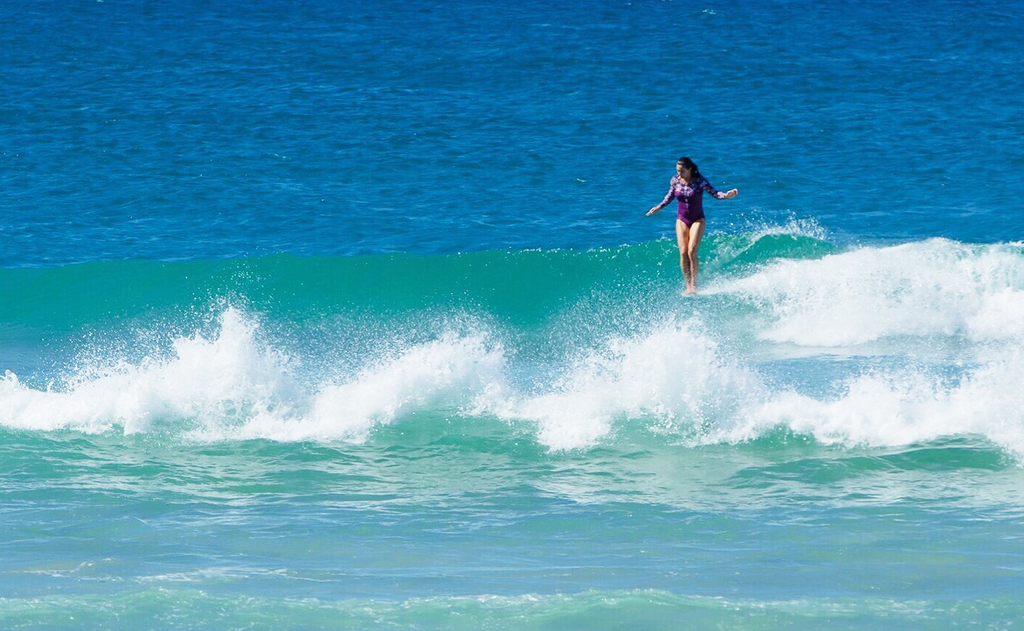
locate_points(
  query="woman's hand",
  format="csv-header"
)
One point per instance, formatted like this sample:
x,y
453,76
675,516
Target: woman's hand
x,y
654,210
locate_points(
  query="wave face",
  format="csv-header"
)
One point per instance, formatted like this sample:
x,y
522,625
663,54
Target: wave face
x,y
519,437
879,346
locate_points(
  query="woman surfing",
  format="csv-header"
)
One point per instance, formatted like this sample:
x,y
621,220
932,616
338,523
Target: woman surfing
x,y
688,187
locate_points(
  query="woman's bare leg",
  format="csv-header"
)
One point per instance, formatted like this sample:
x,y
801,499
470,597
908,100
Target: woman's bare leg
x,y
683,241
696,233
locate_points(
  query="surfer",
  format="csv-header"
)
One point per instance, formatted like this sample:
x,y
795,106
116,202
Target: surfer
x,y
688,187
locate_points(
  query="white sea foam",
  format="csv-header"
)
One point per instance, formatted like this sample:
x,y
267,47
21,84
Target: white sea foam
x,y
934,287
668,374
677,381
204,381
446,373
904,408
233,386
672,378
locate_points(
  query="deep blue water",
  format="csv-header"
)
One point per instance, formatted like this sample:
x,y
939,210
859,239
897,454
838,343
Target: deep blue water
x,y
347,315
202,130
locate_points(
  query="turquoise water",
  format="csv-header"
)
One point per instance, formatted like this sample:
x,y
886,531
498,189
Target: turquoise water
x,y
347,315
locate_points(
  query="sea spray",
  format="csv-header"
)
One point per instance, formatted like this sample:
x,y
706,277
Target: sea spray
x,y
906,407
934,287
788,339
669,375
221,380
446,374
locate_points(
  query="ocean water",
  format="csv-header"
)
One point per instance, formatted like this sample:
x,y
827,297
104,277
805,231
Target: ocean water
x,y
345,315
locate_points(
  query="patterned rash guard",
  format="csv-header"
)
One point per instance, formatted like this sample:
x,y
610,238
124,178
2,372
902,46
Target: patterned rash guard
x,y
690,198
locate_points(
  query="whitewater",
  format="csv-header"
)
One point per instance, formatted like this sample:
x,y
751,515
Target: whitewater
x,y
899,345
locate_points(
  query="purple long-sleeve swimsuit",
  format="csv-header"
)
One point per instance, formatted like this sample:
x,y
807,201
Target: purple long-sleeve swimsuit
x,y
690,197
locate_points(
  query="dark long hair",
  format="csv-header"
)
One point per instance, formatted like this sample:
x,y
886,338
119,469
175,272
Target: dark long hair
x,y
689,164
